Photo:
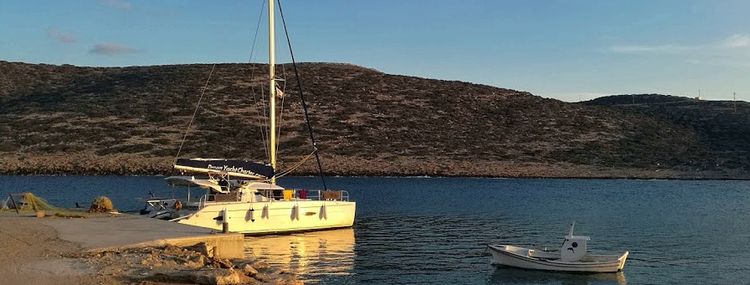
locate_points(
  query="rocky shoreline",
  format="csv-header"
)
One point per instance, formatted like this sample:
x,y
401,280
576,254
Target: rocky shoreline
x,y
123,164
192,265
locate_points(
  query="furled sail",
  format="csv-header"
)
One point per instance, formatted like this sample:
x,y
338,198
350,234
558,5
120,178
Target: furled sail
x,y
233,167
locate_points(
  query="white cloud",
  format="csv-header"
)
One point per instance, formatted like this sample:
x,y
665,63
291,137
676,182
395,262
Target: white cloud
x,y
111,49
736,41
731,42
720,62
60,36
732,51
117,4
651,48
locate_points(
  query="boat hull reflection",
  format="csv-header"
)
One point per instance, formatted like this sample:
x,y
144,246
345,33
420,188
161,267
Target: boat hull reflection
x,y
510,275
313,256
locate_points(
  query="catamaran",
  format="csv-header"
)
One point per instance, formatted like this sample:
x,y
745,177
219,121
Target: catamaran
x,y
242,196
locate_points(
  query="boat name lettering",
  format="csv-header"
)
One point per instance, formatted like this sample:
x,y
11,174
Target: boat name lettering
x,y
231,169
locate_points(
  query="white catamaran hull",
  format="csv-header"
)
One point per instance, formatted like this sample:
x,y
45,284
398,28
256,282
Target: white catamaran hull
x,y
274,216
525,258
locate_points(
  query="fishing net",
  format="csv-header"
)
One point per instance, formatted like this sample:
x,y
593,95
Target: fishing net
x,y
101,204
28,202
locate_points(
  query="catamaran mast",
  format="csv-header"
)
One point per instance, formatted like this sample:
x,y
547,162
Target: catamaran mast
x,y
272,85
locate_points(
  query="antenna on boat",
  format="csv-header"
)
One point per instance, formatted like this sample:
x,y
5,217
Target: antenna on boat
x,y
572,226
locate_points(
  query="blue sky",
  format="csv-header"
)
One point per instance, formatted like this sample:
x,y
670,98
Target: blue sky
x,y
568,50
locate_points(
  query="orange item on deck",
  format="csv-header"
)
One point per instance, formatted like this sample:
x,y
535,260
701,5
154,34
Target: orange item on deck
x,y
288,194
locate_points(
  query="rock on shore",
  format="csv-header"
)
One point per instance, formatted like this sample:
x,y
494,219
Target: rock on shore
x,y
191,265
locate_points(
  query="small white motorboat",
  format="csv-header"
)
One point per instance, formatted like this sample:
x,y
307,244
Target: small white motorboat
x,y
572,257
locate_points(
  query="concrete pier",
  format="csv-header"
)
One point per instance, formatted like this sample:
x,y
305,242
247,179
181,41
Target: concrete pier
x,y
81,248
121,231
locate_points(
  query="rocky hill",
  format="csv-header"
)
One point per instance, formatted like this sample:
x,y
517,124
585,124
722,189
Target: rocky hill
x,y
131,120
720,128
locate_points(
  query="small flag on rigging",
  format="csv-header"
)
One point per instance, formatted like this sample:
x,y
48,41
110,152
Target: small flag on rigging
x,y
279,94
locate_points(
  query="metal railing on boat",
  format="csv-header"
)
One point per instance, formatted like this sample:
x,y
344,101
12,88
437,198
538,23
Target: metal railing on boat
x,y
280,195
304,194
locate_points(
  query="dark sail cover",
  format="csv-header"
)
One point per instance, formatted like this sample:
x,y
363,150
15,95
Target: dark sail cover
x,y
234,167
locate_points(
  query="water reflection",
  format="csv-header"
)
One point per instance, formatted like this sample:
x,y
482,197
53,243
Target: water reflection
x,y
508,275
313,256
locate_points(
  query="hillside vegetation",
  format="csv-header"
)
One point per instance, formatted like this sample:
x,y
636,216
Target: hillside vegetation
x,y
131,120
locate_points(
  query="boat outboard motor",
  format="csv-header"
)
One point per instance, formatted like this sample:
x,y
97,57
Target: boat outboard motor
x,y
573,247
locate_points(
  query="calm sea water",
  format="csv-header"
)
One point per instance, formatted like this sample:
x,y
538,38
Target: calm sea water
x,y
435,230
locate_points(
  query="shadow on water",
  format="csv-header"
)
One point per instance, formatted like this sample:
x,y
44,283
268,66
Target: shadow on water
x,y
509,275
